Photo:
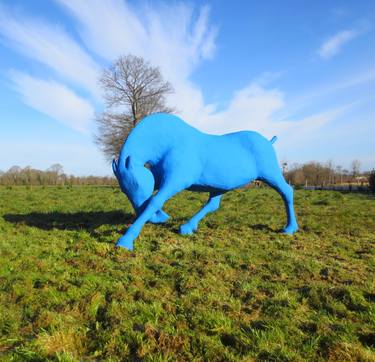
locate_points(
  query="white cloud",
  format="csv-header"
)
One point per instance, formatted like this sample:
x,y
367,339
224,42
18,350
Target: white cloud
x,y
333,45
54,99
108,27
358,79
254,108
174,37
251,108
335,138
49,44
171,36
329,90
113,28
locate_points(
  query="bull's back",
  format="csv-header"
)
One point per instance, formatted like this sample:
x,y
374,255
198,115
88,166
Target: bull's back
x,y
228,163
235,159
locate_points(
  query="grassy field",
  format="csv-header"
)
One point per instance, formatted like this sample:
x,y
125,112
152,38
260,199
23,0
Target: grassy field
x,y
235,291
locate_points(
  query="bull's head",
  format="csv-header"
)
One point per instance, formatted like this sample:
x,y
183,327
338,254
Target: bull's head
x,y
136,182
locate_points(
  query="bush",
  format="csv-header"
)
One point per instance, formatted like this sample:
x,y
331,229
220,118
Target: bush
x,y
371,181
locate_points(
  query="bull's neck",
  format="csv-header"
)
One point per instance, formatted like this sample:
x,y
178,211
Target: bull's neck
x,y
141,152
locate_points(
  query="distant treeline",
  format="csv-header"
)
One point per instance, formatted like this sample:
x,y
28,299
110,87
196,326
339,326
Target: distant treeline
x,y
54,175
319,174
307,174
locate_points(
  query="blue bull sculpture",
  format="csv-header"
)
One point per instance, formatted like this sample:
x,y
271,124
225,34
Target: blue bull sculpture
x,y
181,157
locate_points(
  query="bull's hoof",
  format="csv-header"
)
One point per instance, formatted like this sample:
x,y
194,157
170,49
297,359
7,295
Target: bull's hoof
x,y
290,229
125,242
188,229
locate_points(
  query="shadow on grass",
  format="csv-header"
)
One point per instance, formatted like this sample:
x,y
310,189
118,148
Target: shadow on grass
x,y
91,220
264,228
88,220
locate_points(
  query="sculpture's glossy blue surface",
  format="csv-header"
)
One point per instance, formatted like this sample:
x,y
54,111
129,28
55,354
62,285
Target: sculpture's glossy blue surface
x,y
181,157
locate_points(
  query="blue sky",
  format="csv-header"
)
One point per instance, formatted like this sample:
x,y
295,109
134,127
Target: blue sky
x,y
301,70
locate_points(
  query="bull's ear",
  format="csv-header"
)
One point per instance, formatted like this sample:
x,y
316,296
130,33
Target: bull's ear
x,y
115,168
128,163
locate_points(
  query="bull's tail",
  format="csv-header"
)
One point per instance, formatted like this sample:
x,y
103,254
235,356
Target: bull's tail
x,y
273,139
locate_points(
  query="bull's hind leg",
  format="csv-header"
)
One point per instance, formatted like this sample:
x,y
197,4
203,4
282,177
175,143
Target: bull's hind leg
x,y
278,182
212,205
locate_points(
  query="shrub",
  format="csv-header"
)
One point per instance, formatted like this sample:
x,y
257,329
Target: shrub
x,y
371,181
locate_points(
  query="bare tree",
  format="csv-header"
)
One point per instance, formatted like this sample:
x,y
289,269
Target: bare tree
x,y
132,90
355,166
339,172
56,168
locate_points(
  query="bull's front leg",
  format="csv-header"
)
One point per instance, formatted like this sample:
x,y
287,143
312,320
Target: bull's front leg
x,y
156,203
212,205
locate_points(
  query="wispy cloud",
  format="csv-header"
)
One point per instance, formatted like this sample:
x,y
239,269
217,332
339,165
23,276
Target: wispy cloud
x,y
328,90
334,138
50,44
113,28
254,108
174,36
54,99
250,108
333,45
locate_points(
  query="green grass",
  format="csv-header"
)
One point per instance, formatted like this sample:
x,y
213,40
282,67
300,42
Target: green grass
x,y
236,290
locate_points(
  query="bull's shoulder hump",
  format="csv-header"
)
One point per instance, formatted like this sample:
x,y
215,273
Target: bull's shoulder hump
x,y
244,133
165,122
